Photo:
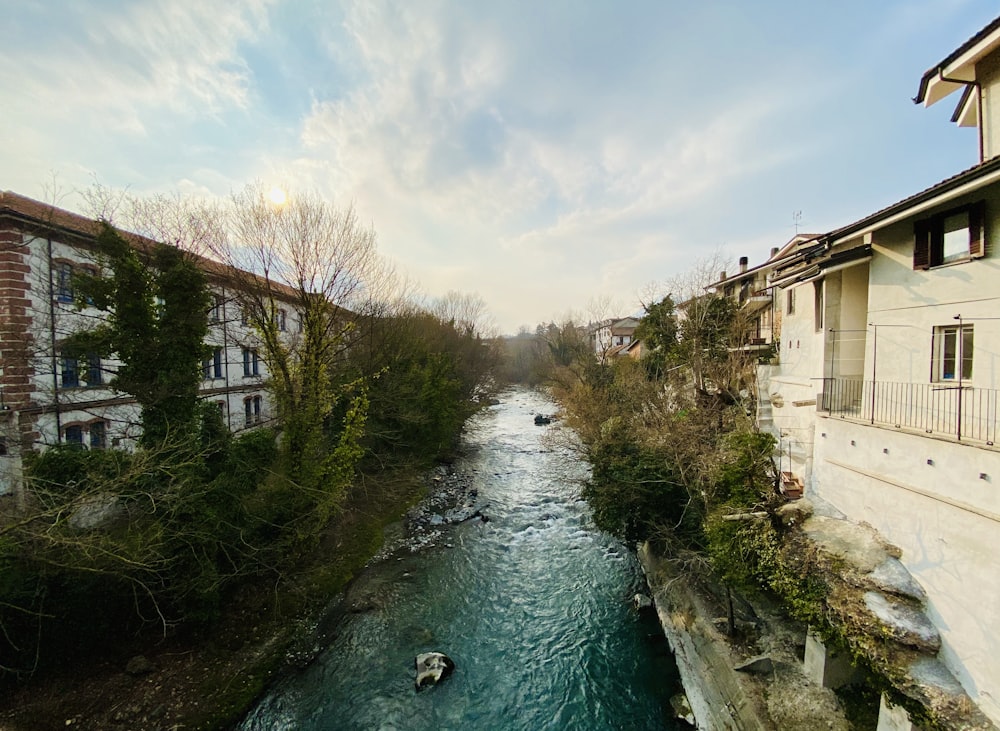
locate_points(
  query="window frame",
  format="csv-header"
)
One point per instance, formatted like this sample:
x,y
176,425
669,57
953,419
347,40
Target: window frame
x,y
251,362
69,372
97,429
212,366
63,285
961,362
929,237
74,430
790,301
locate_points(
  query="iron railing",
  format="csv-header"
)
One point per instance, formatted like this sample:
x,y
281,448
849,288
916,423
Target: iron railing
x,y
958,410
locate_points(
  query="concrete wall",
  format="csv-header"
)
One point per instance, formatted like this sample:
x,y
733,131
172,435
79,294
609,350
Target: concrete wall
x,y
988,75
944,516
717,698
794,384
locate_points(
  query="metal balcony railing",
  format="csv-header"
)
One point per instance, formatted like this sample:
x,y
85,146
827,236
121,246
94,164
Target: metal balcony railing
x,y
961,411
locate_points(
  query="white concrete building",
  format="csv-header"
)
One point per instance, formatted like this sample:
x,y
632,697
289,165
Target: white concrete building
x,y
46,399
886,400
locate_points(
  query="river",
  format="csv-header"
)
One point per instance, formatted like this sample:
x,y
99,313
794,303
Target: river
x,y
533,606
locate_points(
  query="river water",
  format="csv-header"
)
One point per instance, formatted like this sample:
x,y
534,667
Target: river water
x,y
533,606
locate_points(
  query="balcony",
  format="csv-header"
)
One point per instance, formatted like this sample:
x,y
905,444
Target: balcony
x,y
962,412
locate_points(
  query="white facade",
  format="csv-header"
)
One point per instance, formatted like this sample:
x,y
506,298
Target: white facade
x,y
47,399
886,402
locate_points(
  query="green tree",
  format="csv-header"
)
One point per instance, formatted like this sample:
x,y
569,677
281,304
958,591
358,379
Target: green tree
x,y
156,303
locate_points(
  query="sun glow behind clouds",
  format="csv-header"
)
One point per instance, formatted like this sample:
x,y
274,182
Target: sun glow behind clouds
x,y
277,196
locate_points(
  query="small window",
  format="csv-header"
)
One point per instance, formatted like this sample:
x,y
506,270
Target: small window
x,y
790,301
73,435
3,447
251,410
818,304
98,435
244,318
70,372
953,350
281,320
216,312
949,237
251,362
212,367
64,281
95,376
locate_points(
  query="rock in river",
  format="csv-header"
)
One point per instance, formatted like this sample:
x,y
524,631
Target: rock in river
x,y
432,668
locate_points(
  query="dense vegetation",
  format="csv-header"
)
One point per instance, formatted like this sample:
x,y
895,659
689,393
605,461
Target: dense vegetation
x,y
671,438
113,543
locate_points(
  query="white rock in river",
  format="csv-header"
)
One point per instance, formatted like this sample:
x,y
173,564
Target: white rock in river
x,y
432,668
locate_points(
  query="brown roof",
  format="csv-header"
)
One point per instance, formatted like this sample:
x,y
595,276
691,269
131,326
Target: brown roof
x,y
50,217
931,72
969,175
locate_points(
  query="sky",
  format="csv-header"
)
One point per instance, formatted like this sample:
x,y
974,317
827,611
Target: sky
x,y
556,157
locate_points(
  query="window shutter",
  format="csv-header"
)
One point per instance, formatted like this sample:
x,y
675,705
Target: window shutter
x,y
922,244
977,230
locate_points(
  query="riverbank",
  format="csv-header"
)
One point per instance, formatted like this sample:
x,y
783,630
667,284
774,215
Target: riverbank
x,y
773,695
206,680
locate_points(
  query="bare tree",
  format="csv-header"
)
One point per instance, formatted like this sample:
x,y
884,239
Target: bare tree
x,y
302,267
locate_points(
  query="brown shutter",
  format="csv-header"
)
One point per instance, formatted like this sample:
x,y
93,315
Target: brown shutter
x,y
922,244
977,230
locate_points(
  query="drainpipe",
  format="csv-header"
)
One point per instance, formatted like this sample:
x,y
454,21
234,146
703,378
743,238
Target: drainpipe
x,y
960,366
225,350
979,107
52,337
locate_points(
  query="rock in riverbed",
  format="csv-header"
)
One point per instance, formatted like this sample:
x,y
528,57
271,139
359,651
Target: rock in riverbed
x,y
432,668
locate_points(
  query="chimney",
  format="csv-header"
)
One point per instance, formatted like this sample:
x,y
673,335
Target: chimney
x,y
774,251
722,276
743,264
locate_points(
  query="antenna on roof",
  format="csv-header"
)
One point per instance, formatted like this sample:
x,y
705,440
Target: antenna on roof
x,y
796,220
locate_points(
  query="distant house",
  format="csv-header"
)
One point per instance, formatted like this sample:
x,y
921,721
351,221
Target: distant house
x,y
610,337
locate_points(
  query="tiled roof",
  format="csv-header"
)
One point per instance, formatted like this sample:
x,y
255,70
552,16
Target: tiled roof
x,y
966,176
50,217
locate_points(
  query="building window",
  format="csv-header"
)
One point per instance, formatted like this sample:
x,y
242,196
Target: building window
x,y
953,349
70,372
215,313
98,435
64,281
251,362
952,236
212,366
251,410
3,447
790,301
818,304
73,435
281,320
95,376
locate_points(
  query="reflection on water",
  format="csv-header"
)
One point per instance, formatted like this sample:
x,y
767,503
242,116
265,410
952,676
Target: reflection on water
x,y
532,605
